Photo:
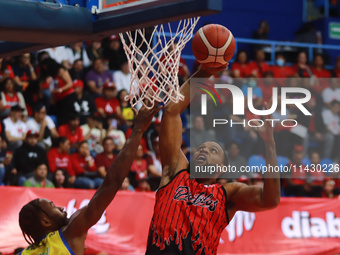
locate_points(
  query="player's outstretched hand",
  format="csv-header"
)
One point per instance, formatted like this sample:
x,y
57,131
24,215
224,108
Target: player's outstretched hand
x,y
213,70
144,117
266,131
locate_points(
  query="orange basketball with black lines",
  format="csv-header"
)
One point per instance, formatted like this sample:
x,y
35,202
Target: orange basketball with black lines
x,y
213,45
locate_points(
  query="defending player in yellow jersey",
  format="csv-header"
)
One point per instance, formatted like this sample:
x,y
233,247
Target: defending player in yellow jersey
x,y
53,243
47,228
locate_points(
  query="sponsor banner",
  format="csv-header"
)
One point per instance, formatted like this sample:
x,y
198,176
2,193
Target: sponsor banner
x,y
296,226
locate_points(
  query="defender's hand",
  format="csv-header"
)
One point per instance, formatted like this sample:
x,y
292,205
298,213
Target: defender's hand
x,y
266,131
144,117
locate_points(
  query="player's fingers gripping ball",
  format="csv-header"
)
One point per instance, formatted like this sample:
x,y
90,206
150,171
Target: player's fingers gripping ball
x,y
213,46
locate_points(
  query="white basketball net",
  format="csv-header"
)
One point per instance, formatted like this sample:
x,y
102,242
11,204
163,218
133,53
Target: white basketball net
x,y
154,62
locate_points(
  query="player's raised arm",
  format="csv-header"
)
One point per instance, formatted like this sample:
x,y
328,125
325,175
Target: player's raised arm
x,y
254,198
170,140
88,216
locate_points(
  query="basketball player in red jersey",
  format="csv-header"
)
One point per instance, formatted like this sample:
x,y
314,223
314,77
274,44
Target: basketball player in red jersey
x,y
190,214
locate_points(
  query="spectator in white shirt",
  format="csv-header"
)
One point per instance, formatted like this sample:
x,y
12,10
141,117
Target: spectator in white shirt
x,y
15,129
77,51
59,54
44,125
117,135
332,123
332,92
94,133
122,77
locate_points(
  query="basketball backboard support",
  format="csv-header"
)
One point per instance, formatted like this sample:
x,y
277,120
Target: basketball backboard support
x,y
120,18
27,25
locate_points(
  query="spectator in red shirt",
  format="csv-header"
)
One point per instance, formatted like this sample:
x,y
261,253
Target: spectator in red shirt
x,y
258,67
336,70
319,71
59,158
9,97
139,171
296,181
316,176
240,68
301,67
6,70
266,85
328,189
60,85
106,158
318,67
108,105
280,70
85,168
72,131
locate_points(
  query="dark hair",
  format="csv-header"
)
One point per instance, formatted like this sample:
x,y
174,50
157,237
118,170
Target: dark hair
x,y
38,107
50,67
73,116
40,55
239,53
95,60
80,144
18,250
302,51
3,83
39,164
29,221
78,59
280,55
119,93
66,184
226,157
107,138
232,143
59,140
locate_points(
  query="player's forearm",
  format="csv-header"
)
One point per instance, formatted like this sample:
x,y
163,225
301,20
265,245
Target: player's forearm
x,y
113,179
188,91
271,187
122,164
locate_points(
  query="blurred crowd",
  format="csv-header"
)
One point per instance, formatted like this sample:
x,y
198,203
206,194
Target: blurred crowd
x,y
65,118
309,144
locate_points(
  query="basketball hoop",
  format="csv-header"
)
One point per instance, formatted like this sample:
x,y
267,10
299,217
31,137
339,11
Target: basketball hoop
x,y
154,62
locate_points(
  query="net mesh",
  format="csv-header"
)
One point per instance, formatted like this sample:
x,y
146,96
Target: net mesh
x,y
154,60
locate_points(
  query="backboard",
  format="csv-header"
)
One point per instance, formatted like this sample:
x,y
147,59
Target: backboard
x,y
32,25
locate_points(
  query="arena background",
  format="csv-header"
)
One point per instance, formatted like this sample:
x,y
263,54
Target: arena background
x,y
307,220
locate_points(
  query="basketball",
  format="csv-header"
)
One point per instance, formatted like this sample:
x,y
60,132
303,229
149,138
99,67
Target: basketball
x,y
213,45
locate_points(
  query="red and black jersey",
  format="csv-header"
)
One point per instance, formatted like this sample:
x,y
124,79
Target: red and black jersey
x,y
188,218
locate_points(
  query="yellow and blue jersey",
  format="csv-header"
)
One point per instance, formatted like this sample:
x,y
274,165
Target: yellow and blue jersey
x,y
54,244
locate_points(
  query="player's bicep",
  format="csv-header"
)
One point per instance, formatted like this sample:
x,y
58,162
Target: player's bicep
x,y
246,198
77,225
170,142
